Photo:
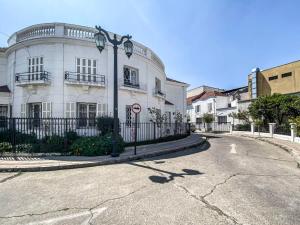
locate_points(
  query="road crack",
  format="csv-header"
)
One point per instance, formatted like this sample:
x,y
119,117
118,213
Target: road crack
x,y
89,221
10,177
207,204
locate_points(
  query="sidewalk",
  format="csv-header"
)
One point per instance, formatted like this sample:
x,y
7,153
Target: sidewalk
x,y
291,147
32,164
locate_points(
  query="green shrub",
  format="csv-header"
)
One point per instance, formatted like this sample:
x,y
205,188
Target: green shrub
x,y
107,143
95,146
71,136
105,124
5,147
24,148
52,143
20,138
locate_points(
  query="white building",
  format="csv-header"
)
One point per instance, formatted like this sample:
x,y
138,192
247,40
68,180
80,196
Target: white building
x,y
55,70
219,104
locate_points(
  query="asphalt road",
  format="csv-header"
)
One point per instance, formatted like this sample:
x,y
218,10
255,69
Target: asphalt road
x,y
231,180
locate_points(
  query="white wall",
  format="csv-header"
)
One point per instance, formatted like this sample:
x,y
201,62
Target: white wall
x,y
3,74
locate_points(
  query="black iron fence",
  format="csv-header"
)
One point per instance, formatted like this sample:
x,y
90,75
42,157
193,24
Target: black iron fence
x,y
57,134
265,128
282,129
242,127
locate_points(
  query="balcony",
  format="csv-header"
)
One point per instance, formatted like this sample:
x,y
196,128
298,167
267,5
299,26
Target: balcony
x,y
74,78
158,93
32,78
132,86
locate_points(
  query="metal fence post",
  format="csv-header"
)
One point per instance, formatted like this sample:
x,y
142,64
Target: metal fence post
x,y
272,129
293,131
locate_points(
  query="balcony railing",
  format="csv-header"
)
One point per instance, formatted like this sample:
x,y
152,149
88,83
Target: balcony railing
x,y
84,79
60,30
159,93
42,77
128,83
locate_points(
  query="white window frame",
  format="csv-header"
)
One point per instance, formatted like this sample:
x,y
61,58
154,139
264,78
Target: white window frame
x,y
87,72
133,76
35,67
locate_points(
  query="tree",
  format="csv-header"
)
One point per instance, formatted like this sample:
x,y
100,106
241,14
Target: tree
x,y
277,108
241,115
208,118
156,115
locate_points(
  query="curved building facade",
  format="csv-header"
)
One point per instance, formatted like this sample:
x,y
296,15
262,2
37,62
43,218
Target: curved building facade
x,y
55,70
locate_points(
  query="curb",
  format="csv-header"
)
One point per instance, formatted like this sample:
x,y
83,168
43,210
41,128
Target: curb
x,y
104,162
290,150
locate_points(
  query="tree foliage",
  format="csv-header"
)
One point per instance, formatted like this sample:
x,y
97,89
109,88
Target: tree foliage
x,y
241,115
277,108
208,118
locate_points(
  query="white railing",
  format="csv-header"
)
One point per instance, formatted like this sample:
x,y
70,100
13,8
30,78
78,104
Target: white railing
x,y
80,33
74,32
42,31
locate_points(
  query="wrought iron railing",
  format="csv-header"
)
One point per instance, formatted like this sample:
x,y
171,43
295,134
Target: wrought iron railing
x,y
84,78
158,92
128,83
45,133
31,77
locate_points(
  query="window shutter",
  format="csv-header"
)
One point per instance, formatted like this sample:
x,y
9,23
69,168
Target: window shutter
x,y
70,110
46,109
101,110
23,110
104,108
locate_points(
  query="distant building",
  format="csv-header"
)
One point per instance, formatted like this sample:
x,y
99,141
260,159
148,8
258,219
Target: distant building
x,y
283,79
219,104
200,89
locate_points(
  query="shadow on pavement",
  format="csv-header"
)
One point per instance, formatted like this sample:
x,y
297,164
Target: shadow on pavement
x,y
171,175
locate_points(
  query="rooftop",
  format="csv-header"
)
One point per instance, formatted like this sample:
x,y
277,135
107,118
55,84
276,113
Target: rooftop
x,y
176,81
204,95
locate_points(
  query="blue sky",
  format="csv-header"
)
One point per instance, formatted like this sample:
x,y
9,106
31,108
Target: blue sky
x,y
213,42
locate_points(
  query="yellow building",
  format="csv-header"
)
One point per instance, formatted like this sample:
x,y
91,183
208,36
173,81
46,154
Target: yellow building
x,y
283,79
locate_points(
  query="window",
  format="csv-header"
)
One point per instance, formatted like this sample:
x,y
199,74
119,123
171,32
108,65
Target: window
x,y
35,112
46,109
157,84
286,74
199,120
3,110
3,116
273,78
86,69
252,84
169,118
86,114
102,110
222,119
128,115
35,66
198,108
23,110
70,110
131,77
209,107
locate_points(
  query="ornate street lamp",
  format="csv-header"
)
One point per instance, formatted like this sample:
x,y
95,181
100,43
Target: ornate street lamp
x,y
100,39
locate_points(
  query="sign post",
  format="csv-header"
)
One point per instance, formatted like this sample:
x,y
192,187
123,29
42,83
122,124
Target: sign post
x,y
136,109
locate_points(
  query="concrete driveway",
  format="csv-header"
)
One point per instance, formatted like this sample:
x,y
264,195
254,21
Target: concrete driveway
x,y
230,180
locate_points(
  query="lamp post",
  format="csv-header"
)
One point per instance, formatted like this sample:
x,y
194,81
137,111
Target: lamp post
x,y
100,38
